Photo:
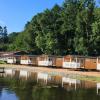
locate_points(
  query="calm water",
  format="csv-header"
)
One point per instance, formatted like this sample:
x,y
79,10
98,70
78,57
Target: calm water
x,y
34,86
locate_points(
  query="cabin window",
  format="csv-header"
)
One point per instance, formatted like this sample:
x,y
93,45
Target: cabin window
x,y
94,62
30,58
50,59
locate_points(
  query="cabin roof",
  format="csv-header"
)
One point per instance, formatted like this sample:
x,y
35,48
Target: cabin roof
x,y
4,54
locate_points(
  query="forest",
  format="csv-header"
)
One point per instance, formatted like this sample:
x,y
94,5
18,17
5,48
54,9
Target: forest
x,y
72,28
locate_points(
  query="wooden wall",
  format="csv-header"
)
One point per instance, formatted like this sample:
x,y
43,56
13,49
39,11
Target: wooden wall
x,y
34,60
90,63
59,62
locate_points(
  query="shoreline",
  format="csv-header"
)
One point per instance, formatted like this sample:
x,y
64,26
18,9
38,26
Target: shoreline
x,y
81,75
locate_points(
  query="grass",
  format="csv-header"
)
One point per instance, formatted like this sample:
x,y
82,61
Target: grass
x,y
89,78
2,62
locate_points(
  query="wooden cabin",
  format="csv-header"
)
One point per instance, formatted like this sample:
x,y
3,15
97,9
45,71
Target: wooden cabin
x,y
11,60
4,56
25,60
34,60
98,63
90,63
45,60
58,61
18,58
73,62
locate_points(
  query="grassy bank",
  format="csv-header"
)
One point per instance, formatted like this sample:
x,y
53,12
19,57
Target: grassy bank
x,y
89,78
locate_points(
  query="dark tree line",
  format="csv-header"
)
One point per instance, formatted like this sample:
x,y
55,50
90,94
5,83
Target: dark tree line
x,y
3,38
73,28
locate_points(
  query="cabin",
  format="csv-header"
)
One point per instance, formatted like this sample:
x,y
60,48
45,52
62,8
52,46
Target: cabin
x,y
34,60
90,63
73,62
45,60
1,57
11,60
98,63
25,60
58,61
18,58
5,55
11,57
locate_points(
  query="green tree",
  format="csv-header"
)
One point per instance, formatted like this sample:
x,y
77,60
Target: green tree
x,y
69,23
85,18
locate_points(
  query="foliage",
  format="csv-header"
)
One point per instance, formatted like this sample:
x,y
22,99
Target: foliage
x,y
73,28
2,62
3,38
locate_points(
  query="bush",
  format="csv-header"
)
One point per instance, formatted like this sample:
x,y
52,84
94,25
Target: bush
x,y
2,62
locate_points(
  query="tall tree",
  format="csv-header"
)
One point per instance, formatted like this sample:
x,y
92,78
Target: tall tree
x,y
84,21
69,23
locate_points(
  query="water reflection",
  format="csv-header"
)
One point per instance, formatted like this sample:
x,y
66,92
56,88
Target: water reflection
x,y
70,82
42,76
23,74
9,72
98,88
8,95
26,85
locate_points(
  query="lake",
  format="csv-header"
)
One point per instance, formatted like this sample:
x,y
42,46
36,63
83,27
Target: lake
x,y
23,85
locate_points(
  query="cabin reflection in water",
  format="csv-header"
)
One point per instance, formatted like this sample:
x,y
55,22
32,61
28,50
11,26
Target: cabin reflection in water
x,y
56,80
9,72
46,79
88,84
16,74
24,74
32,76
42,76
70,83
98,88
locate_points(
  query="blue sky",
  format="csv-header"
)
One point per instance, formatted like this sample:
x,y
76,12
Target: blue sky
x,y
15,13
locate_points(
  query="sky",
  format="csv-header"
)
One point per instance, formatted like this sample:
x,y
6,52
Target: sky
x,y
15,13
